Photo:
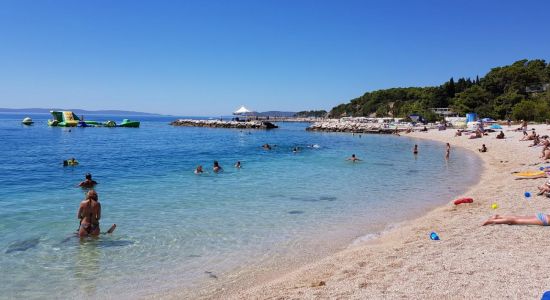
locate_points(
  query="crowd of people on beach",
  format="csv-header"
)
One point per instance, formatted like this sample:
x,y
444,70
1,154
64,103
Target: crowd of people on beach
x,y
537,141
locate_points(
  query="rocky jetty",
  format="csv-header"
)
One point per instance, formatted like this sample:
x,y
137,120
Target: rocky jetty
x,y
338,125
224,124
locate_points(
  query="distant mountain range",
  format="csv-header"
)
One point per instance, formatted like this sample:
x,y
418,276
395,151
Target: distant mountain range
x,y
273,113
77,111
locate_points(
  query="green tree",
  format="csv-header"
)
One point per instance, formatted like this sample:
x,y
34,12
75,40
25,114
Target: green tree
x,y
470,100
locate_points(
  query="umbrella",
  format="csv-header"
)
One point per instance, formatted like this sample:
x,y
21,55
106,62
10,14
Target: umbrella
x,y
242,111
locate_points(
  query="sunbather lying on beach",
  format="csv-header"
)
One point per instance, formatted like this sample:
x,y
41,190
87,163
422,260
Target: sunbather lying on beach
x,y
536,141
545,188
538,219
476,135
528,137
544,141
545,153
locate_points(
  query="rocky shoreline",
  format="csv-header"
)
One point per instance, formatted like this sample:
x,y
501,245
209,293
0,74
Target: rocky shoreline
x,y
336,125
224,124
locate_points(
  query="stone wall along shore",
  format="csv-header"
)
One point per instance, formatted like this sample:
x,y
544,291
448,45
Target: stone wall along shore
x,y
224,124
337,125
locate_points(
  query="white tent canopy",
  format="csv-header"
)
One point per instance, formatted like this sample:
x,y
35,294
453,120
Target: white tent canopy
x,y
243,111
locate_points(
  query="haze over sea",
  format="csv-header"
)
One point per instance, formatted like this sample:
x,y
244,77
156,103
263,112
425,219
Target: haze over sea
x,y
179,230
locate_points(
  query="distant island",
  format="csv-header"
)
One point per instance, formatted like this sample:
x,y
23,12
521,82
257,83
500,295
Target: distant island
x,y
77,111
276,113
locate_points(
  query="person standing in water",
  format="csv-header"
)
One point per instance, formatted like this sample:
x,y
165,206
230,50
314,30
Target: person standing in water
x,y
217,168
353,158
448,151
199,170
415,150
88,183
89,214
238,165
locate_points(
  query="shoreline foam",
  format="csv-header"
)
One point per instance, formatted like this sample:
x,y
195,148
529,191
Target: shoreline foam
x,y
470,261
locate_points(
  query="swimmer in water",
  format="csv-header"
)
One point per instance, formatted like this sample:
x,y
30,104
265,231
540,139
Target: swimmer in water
x,y
415,150
266,146
295,150
88,183
217,168
353,158
238,165
198,170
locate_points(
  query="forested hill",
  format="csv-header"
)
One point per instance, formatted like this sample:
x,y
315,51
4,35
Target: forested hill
x,y
518,91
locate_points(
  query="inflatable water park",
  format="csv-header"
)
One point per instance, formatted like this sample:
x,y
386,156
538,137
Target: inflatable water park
x,y
69,119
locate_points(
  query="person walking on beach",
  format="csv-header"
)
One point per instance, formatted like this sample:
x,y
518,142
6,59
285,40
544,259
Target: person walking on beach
x,y
353,158
89,214
448,151
415,150
88,183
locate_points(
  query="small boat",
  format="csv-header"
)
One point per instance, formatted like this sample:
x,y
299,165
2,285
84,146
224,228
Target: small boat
x,y
128,123
27,121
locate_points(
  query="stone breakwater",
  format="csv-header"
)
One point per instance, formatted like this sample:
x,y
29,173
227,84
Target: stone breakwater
x,y
224,124
356,127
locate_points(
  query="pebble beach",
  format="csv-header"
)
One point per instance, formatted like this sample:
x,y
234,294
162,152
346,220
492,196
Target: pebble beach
x,y
469,262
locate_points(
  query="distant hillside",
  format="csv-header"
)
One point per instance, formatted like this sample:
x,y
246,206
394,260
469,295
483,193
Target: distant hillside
x,y
77,111
284,114
518,91
311,113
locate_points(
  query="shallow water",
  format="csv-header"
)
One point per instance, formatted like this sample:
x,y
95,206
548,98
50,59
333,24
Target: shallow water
x,y
178,229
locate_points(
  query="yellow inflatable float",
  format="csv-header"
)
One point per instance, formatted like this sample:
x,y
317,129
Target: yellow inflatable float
x,y
530,174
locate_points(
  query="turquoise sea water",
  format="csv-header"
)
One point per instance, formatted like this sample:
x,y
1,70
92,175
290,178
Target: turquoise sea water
x,y
177,229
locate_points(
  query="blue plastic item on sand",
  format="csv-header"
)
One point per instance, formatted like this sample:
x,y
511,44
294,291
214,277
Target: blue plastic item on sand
x,y
434,236
545,296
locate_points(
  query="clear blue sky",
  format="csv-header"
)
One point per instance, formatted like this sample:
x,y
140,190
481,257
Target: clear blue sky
x,y
209,57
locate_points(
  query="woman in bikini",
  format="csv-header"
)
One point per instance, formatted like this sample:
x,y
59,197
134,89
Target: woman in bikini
x,y
538,219
89,214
